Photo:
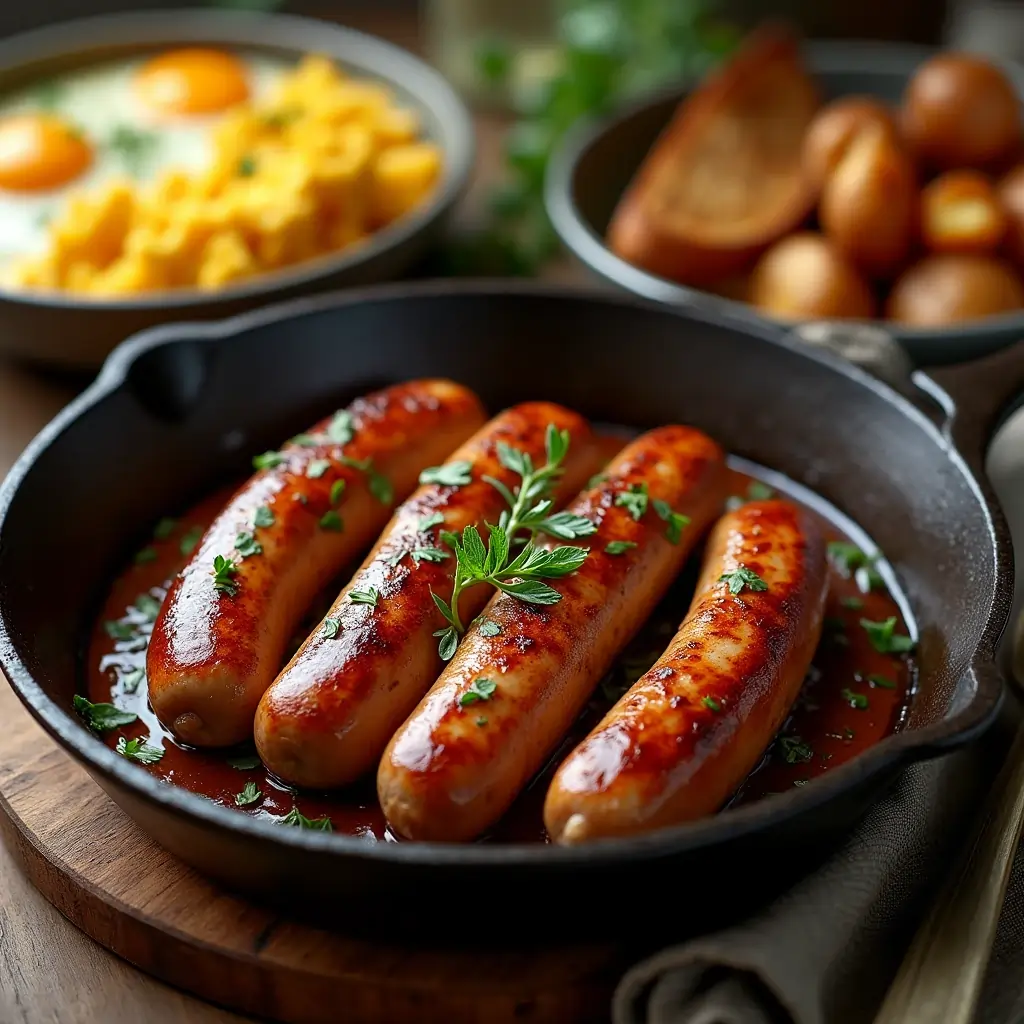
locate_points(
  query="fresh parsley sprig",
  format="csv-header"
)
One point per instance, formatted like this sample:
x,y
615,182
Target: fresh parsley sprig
x,y
139,750
529,511
224,570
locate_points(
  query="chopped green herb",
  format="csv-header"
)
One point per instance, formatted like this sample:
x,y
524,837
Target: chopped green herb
x,y
380,487
268,460
480,689
675,520
711,704
264,517
247,545
429,554
250,794
597,478
369,596
164,528
566,526
120,630
102,717
317,468
133,147
245,762
223,570
883,682
189,539
307,440
246,166
139,750
854,603
619,547
341,429
49,93
130,680
148,605
742,577
488,627
800,782
884,639
448,643
331,521
847,557
481,721
331,627
868,579
450,474
854,699
147,554
434,519
758,491
634,500
337,490
396,556
298,820
794,750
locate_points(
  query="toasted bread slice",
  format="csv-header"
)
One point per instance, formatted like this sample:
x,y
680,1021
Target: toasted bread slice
x,y
725,179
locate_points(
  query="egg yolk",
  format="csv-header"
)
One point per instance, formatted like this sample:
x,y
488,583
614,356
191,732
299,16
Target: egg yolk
x,y
39,152
192,81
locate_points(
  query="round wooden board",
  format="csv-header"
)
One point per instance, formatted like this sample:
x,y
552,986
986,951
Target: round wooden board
x,y
112,881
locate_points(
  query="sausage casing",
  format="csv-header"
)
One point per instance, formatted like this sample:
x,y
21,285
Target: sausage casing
x,y
682,739
219,639
459,761
329,714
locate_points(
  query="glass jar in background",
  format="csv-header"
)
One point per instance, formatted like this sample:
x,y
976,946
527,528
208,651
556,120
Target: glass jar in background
x,y
492,50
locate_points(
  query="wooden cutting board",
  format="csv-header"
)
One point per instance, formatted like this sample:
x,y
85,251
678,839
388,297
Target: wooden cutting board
x,y
108,878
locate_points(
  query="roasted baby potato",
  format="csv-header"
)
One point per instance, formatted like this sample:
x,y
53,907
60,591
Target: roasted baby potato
x,y
960,212
834,128
951,287
806,277
869,203
960,111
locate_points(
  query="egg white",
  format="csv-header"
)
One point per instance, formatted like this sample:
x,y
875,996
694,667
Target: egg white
x,y
99,100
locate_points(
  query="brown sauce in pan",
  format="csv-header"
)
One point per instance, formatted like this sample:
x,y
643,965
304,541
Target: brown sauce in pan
x,y
853,695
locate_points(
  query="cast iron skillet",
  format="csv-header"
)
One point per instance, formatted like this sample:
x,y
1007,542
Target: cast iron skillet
x,y
597,159
61,328
179,408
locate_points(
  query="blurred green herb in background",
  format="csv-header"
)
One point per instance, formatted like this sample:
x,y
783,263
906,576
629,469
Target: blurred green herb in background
x,y
609,51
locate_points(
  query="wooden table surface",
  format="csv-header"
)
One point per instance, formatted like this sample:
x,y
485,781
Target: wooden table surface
x,y
50,973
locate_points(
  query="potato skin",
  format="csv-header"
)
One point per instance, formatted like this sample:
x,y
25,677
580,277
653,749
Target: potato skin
x,y
869,204
806,277
834,128
960,212
1011,197
960,111
950,288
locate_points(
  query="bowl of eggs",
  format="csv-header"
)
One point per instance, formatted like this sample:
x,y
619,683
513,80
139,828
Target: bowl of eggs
x,y
188,165
815,181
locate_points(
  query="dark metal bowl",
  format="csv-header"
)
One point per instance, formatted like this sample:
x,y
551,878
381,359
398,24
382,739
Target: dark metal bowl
x,y
597,159
181,407
74,331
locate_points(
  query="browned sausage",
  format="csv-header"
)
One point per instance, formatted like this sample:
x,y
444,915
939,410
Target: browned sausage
x,y
681,740
329,714
220,638
506,698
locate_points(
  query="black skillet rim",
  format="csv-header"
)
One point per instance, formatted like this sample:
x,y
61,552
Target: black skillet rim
x,y
826,56
257,30
893,752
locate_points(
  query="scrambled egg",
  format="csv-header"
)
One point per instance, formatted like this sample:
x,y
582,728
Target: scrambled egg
x,y
318,165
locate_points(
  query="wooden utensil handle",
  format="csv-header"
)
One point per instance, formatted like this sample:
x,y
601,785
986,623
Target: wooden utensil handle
x,y
941,975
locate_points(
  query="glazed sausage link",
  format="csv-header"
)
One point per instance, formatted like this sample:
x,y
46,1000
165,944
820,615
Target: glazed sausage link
x,y
219,639
683,738
506,698
329,714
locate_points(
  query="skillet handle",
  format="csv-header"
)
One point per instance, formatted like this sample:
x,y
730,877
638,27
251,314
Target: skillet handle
x,y
975,397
